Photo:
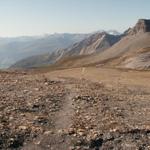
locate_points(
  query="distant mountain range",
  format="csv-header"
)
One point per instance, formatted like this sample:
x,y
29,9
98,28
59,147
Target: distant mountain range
x,y
128,50
95,43
15,49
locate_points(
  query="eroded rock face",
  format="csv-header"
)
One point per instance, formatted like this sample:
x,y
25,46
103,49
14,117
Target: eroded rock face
x,y
142,26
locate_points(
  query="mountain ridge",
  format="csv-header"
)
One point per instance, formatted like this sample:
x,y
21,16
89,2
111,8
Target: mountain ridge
x,y
133,40
97,42
18,48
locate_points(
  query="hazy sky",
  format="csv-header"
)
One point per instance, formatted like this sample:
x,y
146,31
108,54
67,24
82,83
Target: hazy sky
x,y
35,17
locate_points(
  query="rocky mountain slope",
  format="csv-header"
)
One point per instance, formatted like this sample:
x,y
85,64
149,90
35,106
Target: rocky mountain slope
x,y
141,60
95,43
128,51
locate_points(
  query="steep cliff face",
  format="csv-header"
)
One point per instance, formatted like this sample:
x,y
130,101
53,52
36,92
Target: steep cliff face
x,y
142,26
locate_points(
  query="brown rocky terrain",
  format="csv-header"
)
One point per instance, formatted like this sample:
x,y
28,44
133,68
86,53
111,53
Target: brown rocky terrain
x,y
140,60
68,110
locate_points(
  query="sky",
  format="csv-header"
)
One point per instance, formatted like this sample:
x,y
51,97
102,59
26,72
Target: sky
x,y
39,17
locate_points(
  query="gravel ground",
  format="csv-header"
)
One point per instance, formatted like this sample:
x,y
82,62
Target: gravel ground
x,y
38,112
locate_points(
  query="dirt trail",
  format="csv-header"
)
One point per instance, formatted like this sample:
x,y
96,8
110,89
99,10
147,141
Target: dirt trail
x,y
63,120
64,116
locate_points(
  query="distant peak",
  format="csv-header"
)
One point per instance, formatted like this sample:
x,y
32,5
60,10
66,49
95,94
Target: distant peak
x,y
142,26
112,32
144,20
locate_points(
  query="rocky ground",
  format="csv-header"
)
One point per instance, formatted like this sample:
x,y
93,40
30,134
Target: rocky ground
x,y
38,112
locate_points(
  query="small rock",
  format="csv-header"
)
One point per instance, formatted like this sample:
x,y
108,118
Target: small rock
x,y
23,127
